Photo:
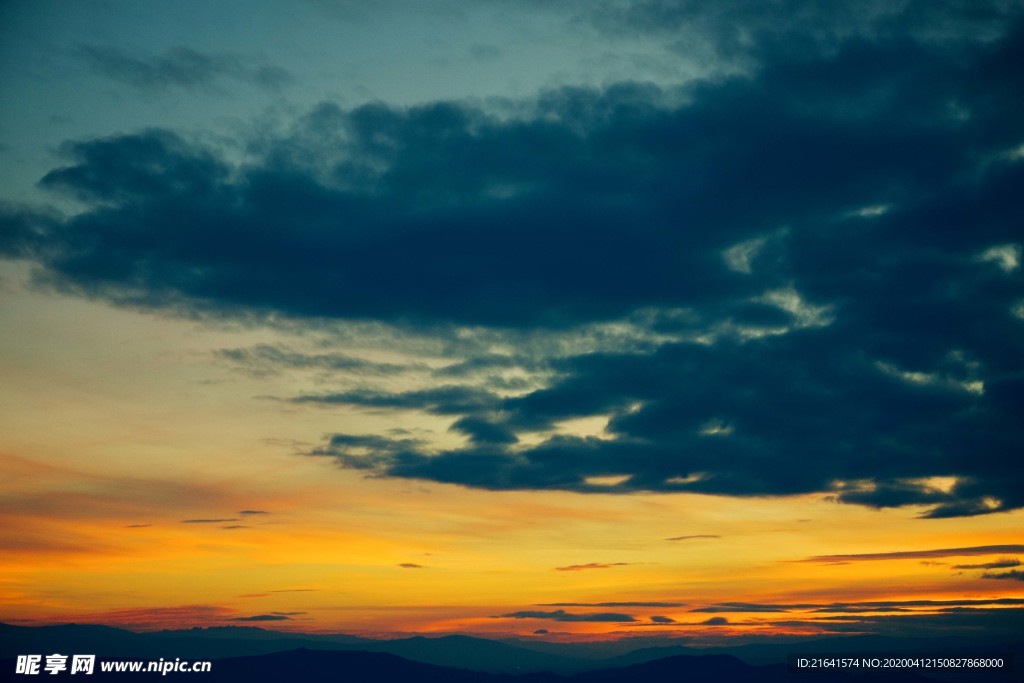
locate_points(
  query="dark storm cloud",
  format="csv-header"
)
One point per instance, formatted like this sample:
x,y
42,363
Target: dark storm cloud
x,y
482,431
179,67
817,227
914,554
562,615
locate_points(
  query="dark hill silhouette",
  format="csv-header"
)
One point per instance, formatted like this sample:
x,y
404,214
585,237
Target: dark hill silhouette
x,y
463,652
379,667
239,651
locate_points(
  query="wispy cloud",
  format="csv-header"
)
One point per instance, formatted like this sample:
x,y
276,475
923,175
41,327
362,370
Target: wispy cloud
x,y
210,521
562,615
266,359
591,565
611,604
860,606
180,67
1004,563
916,554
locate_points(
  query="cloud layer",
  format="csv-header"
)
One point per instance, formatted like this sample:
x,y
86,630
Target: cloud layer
x,y
820,257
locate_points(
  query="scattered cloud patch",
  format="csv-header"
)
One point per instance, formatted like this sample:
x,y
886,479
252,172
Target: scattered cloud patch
x,y
562,615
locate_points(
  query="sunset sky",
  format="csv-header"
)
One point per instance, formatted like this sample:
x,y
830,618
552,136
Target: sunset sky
x,y
557,319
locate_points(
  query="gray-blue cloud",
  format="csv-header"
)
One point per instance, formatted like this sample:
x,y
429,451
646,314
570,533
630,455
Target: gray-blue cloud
x,y
815,239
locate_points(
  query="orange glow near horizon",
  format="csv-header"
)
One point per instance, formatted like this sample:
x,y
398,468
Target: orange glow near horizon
x,y
202,511
461,561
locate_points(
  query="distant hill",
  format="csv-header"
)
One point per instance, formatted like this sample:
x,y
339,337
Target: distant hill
x,y
379,667
238,652
463,652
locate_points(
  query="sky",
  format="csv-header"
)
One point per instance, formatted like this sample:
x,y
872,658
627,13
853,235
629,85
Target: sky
x,y
565,320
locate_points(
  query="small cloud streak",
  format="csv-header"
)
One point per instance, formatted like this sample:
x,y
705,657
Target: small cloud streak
x,y
611,604
915,554
179,67
411,565
562,615
210,521
591,565
1004,563
692,537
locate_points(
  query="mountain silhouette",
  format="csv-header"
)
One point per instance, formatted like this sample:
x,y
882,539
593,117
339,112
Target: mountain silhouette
x,y
253,654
